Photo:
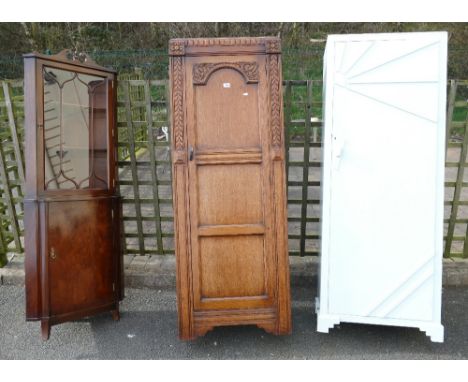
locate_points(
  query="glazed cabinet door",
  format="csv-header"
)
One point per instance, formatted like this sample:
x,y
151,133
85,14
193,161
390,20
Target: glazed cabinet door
x,y
229,173
72,207
75,132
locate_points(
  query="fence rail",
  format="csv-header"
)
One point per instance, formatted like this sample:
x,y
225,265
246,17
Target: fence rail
x,y
145,170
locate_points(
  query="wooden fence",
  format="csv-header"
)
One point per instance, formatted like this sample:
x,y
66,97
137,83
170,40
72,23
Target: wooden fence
x,y
11,168
145,172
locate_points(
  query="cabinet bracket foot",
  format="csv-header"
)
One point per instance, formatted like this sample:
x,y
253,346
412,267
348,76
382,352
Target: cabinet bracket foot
x,y
45,329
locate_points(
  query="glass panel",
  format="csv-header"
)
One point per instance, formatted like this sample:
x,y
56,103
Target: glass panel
x,y
75,130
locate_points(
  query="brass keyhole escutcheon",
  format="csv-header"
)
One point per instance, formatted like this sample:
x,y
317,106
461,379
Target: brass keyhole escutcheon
x,y
53,256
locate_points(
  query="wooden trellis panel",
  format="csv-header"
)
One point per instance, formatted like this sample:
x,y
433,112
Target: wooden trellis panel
x,y
145,171
145,175
302,100
456,182
11,167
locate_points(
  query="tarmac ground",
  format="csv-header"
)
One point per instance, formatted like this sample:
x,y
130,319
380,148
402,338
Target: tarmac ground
x,y
148,330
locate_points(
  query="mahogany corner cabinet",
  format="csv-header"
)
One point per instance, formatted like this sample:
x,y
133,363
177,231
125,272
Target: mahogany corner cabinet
x,y
229,184
73,261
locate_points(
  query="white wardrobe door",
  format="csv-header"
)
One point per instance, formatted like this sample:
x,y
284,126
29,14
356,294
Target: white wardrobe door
x,y
384,179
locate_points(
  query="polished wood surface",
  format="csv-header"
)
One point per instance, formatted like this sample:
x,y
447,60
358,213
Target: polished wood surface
x,y
229,184
73,257
80,276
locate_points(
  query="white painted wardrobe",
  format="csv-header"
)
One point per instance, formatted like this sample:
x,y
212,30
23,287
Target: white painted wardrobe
x,y
383,181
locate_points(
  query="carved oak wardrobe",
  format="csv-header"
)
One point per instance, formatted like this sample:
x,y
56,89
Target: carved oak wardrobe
x,y
229,184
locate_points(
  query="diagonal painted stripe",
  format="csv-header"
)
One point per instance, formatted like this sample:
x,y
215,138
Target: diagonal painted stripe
x,y
393,82
386,300
343,56
409,292
386,103
360,57
394,59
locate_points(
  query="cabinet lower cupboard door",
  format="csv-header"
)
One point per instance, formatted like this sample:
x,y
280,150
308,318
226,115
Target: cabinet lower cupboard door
x,y
383,181
72,208
229,184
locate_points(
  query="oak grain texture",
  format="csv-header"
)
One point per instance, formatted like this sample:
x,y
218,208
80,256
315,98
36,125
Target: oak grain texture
x,y
229,185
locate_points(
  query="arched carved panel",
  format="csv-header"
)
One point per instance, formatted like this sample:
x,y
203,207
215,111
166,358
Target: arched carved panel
x,y
226,112
202,72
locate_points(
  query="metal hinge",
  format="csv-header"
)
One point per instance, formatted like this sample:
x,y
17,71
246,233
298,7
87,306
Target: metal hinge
x,y
112,213
113,287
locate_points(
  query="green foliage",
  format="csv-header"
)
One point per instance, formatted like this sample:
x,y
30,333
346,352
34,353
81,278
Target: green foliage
x,y
125,46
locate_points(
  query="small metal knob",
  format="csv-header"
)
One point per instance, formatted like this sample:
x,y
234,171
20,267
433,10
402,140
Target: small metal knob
x,y
52,254
190,153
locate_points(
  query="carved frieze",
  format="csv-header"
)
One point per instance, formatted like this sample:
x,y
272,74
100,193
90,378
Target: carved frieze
x,y
177,47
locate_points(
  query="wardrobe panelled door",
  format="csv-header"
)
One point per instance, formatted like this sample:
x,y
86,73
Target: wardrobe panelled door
x,y
229,184
73,258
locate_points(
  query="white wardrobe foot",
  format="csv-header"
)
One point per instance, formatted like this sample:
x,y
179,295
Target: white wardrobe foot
x,y
326,322
436,332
